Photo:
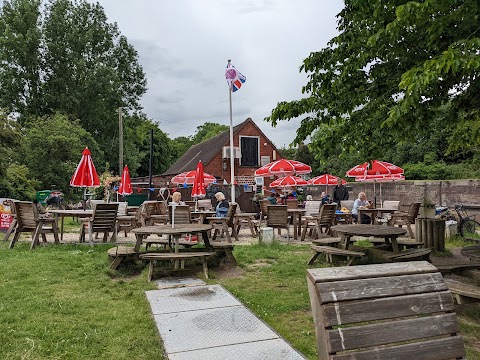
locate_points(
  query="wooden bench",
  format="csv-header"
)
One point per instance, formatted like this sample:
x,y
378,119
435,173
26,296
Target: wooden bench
x,y
331,251
120,253
409,255
462,292
407,244
165,242
182,256
399,311
224,250
328,241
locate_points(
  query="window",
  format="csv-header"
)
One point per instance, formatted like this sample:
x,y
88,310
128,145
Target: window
x,y
250,151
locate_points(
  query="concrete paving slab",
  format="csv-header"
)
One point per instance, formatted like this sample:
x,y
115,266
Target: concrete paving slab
x,y
167,301
200,329
275,349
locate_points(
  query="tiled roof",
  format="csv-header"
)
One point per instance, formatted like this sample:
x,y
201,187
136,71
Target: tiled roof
x,y
205,151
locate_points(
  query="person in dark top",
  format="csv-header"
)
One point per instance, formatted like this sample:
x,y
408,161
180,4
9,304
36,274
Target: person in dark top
x,y
340,192
272,198
222,205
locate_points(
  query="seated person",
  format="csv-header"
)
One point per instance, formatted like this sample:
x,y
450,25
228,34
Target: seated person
x,y
309,198
222,205
361,203
324,197
292,195
271,198
176,199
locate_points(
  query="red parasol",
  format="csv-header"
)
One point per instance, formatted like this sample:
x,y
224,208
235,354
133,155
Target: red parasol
x,y
288,181
376,171
189,178
125,183
283,167
85,175
325,179
198,189
374,167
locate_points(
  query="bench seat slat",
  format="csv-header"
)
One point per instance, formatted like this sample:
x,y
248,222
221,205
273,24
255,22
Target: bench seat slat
x,y
438,349
387,308
175,256
371,271
392,332
380,287
464,289
336,251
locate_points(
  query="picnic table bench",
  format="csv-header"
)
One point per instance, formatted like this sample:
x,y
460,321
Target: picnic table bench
x,y
462,292
399,311
182,256
331,251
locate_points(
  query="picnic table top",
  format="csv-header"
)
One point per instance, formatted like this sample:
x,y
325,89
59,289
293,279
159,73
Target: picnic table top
x,y
167,229
369,230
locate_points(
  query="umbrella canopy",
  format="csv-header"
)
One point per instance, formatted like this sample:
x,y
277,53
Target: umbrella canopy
x,y
288,181
198,189
125,182
380,178
85,175
325,179
374,167
283,167
189,177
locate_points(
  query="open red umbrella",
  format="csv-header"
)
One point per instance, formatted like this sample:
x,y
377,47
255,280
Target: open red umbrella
x,y
376,171
374,167
189,177
198,189
325,179
288,181
125,183
283,167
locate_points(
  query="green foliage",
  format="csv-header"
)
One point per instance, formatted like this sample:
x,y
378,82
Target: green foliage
x,y
17,183
68,59
204,132
54,146
400,74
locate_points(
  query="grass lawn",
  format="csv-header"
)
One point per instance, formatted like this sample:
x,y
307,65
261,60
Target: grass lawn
x,y
61,302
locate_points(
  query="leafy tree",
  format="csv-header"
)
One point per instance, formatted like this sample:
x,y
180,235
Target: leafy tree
x,y
137,149
54,147
207,131
19,185
204,132
397,71
67,59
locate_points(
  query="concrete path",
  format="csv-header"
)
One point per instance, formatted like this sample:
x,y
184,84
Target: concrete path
x,y
199,321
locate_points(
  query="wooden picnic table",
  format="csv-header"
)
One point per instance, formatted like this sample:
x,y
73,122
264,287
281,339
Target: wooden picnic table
x,y
176,232
389,233
249,218
296,215
73,213
374,213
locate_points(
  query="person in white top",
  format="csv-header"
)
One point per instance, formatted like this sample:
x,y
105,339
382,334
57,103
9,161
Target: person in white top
x,y
176,199
361,203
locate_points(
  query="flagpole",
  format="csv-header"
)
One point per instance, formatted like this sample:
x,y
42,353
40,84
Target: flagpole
x,y
232,159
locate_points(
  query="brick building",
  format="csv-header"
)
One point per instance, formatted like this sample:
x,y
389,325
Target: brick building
x,y
252,150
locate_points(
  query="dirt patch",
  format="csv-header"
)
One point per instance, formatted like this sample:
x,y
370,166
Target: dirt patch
x,y
455,258
228,273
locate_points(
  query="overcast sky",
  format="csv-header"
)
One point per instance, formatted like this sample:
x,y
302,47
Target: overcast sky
x,y
184,46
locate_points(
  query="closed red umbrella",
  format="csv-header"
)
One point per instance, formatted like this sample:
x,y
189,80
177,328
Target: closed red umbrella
x,y
198,189
288,181
283,167
85,175
189,177
125,183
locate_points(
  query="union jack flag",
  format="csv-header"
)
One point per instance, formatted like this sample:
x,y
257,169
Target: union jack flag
x,y
234,78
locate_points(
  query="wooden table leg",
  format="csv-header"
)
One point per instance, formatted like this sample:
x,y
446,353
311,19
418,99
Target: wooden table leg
x,y
294,226
395,247
139,238
150,270
250,224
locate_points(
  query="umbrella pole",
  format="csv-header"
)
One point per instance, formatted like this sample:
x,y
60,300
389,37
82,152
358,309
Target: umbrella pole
x,y
84,202
173,215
